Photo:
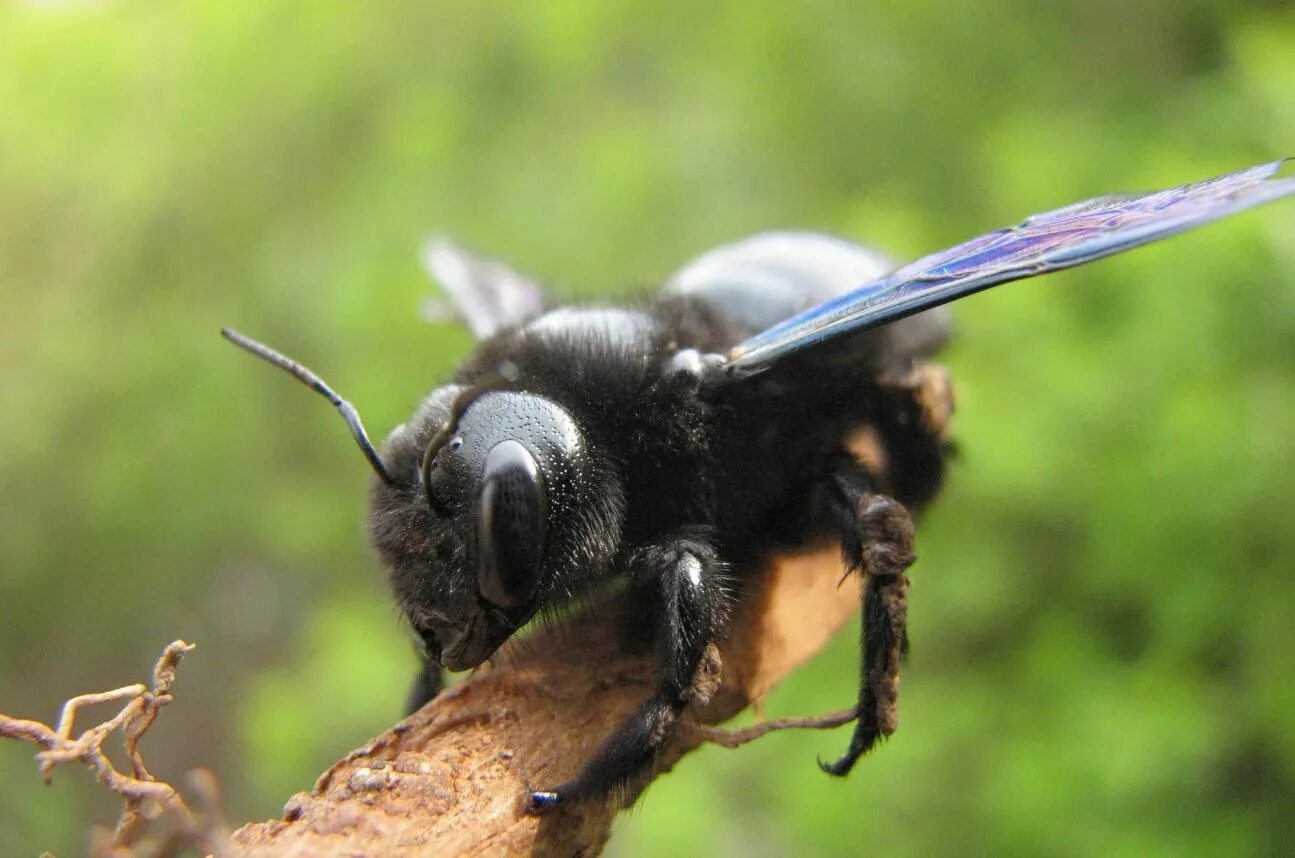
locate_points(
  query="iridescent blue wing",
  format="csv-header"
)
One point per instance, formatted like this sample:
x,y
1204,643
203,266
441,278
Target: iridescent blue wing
x,y
487,294
1046,242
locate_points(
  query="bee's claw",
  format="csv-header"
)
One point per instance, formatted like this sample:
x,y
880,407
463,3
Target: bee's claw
x,y
840,767
542,802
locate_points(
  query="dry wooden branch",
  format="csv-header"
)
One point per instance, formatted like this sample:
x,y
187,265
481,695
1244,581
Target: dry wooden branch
x,y
451,779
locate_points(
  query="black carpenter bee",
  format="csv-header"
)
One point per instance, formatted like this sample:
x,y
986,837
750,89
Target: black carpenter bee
x,y
670,447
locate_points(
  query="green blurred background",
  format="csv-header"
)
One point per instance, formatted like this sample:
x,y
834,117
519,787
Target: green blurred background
x,y
1103,616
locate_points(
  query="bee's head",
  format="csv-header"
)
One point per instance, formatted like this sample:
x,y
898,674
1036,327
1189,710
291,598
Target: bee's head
x,y
487,505
496,505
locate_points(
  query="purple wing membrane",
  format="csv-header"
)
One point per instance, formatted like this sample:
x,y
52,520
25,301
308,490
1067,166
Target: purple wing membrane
x,y
1062,238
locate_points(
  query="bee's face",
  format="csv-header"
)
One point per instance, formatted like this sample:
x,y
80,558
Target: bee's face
x,y
483,516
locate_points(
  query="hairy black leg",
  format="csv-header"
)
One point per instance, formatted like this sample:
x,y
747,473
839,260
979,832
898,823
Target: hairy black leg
x,y
680,580
427,684
876,539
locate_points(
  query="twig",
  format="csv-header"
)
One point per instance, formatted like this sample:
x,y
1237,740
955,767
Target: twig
x,y
144,797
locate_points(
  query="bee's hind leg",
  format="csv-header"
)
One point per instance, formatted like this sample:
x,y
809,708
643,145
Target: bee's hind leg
x,y
876,535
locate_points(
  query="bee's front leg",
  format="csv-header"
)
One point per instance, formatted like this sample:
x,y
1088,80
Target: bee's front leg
x,y
428,684
681,580
877,540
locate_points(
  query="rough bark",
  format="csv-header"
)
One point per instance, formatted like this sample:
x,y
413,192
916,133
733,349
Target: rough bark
x,y
452,779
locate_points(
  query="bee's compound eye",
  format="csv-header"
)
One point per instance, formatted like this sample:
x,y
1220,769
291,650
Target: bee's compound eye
x,y
511,522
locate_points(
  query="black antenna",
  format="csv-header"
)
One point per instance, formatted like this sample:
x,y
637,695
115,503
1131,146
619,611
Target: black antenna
x,y
315,383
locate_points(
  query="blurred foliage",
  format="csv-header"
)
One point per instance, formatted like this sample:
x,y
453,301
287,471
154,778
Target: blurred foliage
x,y
1104,614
